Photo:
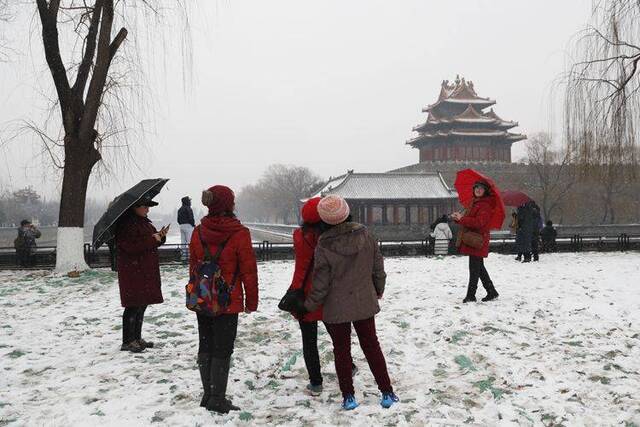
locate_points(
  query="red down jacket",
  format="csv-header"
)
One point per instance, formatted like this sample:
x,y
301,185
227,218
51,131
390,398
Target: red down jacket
x,y
477,219
236,257
304,246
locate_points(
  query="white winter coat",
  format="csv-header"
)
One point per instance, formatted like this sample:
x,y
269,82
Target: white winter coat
x,y
442,232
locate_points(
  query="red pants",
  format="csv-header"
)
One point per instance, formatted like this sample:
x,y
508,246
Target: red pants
x,y
341,336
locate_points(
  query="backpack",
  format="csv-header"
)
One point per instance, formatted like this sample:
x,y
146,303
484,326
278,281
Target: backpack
x,y
207,292
20,242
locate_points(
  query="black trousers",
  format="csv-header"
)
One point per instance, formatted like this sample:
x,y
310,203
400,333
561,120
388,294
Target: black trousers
x,y
217,335
535,246
310,351
477,271
132,319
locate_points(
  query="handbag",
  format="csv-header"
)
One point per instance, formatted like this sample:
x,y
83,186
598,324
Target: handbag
x,y
293,299
469,238
472,239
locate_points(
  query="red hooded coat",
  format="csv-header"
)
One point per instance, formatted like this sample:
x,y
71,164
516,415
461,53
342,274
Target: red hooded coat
x,y
237,256
478,219
304,246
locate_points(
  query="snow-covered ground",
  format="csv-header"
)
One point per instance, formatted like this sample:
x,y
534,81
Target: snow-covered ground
x,y
560,346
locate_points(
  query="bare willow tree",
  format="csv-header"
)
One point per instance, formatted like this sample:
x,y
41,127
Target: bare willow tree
x,y
5,17
601,104
553,169
89,97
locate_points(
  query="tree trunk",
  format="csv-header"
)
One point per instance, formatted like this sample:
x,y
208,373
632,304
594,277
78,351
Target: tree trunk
x,y
80,157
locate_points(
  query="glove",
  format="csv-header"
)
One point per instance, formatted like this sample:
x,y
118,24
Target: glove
x,y
300,309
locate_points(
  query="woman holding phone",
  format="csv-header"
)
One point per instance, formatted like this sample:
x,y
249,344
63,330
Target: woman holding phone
x,y
137,242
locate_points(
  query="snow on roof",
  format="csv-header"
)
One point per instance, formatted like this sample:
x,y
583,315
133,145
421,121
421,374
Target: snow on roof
x,y
379,186
459,92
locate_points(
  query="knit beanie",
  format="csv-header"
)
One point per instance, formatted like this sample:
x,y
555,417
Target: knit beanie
x,y
219,199
333,210
309,211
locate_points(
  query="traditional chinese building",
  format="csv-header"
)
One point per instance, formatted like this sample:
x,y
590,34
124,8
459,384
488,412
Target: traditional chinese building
x,y
394,205
459,129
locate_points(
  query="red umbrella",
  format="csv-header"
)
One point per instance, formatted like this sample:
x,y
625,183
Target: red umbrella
x,y
514,198
465,180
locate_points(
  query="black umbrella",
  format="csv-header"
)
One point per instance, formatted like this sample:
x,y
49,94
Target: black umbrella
x,y
104,231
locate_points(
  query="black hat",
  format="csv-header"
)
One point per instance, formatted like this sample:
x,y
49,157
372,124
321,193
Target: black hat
x,y
146,201
24,222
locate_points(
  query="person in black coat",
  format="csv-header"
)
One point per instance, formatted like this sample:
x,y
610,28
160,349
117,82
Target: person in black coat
x,y
524,232
549,235
536,225
187,223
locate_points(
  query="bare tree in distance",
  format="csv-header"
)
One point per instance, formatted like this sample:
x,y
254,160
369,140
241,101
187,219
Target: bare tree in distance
x,y
278,193
554,171
601,101
92,70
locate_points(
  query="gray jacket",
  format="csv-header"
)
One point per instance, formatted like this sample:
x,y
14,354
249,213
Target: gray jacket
x,y
348,274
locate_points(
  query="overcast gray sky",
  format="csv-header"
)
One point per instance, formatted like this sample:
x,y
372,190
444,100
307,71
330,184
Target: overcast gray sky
x,y
332,85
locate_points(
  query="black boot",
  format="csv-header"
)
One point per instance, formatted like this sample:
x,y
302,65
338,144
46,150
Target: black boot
x,y
204,365
527,258
219,376
471,294
491,292
519,257
536,257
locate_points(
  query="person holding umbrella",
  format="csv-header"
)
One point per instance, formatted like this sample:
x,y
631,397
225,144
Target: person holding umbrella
x,y
137,242
485,212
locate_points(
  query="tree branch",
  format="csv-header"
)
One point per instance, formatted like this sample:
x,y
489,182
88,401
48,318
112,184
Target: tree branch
x,y
48,18
101,69
90,51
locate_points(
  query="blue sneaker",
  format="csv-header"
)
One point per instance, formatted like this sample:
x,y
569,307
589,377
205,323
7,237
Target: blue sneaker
x,y
349,403
389,399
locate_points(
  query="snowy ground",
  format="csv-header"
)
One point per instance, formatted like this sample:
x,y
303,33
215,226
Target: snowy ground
x,y
560,346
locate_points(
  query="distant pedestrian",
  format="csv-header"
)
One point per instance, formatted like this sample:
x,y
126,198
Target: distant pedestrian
x,y
524,233
137,242
549,235
187,222
221,231
513,229
513,225
536,226
442,235
477,220
348,280
25,243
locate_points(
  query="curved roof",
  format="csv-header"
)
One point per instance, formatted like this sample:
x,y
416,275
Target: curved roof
x,y
384,186
459,92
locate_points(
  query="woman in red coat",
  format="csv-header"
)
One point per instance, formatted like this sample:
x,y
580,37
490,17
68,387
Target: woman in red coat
x,y
137,242
240,271
305,240
477,219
